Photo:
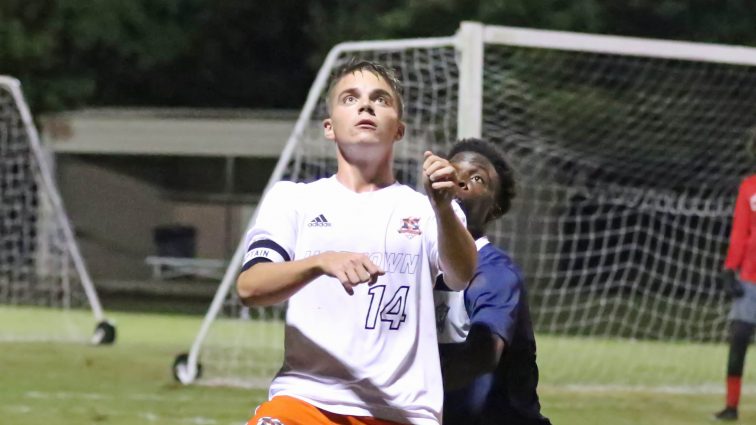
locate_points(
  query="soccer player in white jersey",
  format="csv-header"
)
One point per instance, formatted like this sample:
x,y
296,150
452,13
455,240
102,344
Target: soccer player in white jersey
x,y
356,255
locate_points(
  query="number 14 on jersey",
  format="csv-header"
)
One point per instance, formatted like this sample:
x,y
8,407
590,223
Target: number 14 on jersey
x,y
391,311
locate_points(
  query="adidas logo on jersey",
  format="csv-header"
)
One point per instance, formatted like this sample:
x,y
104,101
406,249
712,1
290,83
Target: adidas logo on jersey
x,y
319,221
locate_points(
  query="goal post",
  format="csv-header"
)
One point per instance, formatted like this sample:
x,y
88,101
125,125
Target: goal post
x,y
40,264
629,152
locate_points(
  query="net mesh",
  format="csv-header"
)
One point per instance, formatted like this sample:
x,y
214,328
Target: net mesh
x,y
629,168
36,269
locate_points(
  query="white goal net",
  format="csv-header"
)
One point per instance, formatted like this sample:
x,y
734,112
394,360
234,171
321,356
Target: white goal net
x,y
629,153
45,293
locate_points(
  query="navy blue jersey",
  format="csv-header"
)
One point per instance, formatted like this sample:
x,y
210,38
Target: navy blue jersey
x,y
496,299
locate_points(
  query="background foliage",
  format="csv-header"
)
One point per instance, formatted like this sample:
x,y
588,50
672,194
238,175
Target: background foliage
x,y
256,54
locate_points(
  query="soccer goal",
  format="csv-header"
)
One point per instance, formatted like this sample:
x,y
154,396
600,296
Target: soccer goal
x,y
629,153
45,291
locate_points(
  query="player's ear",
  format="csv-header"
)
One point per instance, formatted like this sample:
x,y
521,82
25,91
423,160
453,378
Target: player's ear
x,y
328,129
399,131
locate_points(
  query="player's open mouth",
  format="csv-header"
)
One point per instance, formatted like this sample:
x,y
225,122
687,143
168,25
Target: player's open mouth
x,y
367,124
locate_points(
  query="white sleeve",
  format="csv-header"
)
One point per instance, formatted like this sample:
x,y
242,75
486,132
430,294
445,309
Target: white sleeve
x,y
433,237
274,233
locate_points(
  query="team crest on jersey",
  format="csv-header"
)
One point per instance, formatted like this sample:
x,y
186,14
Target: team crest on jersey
x,y
752,201
267,420
410,227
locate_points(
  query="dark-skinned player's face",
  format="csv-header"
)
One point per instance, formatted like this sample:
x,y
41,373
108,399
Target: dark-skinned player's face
x,y
479,184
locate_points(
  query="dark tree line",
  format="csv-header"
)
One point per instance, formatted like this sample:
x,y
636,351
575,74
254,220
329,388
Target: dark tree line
x,y
264,54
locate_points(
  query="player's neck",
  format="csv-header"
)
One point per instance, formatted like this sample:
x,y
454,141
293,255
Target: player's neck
x,y
476,233
365,176
477,230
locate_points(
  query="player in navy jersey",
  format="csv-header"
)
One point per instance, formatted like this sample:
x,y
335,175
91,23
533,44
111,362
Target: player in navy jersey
x,y
486,341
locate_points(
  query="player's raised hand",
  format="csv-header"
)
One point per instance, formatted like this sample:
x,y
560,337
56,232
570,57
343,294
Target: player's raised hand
x,y
351,269
439,178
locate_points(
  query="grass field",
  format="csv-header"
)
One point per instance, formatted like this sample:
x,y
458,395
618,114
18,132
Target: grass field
x,y
131,382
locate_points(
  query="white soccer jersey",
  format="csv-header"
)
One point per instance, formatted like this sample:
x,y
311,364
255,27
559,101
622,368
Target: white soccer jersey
x,y
373,353
452,320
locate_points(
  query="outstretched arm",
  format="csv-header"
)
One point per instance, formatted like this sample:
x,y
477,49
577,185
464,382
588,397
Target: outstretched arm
x,y
268,283
456,248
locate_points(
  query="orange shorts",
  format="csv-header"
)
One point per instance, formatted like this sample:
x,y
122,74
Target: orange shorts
x,y
285,410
